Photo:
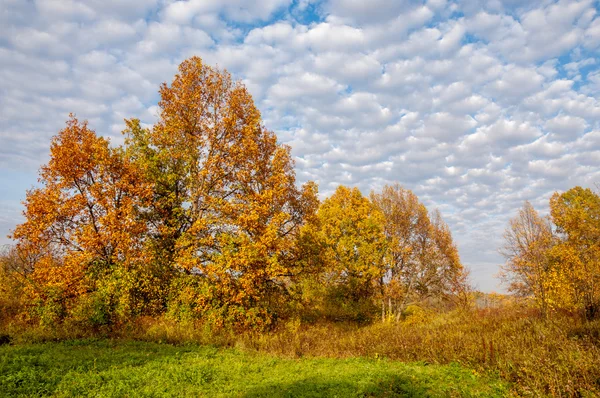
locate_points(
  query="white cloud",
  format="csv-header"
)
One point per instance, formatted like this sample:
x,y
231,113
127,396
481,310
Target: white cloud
x,y
537,33
592,35
184,11
374,11
516,82
565,127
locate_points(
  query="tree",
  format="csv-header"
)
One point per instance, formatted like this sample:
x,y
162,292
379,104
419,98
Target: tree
x,y
349,233
528,240
453,278
576,214
14,277
422,261
226,209
81,222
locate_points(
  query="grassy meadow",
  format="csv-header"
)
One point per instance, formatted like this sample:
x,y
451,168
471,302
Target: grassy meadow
x,y
112,368
495,352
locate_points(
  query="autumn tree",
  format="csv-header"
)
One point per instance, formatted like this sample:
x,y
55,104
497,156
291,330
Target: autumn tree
x,y
14,276
576,214
528,268
81,222
226,208
452,281
421,260
348,233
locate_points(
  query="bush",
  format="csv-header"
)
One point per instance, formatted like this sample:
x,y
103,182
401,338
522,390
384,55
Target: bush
x,y
12,284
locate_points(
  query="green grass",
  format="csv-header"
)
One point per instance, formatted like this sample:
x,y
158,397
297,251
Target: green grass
x,y
119,368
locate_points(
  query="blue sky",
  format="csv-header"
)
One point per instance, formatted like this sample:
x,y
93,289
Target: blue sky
x,y
476,106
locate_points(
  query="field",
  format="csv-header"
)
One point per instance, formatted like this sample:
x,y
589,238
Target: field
x,y
118,368
503,352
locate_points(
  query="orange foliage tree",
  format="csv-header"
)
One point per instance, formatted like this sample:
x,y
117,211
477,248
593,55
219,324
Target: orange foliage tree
x,y
81,223
226,208
198,215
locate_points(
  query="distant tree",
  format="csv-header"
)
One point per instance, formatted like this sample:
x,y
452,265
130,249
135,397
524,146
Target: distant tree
x,y
528,240
576,214
453,278
421,260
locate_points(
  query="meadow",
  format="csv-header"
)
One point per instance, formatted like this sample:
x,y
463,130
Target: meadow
x,y
112,368
505,351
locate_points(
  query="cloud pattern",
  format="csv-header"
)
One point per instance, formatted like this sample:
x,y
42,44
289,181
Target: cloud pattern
x,y
474,105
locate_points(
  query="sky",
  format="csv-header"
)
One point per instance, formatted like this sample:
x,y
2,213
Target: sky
x,y
476,106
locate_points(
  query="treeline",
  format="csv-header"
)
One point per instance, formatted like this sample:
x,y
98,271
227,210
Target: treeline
x,y
199,217
556,259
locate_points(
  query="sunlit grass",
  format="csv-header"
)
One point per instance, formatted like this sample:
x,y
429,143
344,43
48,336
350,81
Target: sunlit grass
x,y
112,368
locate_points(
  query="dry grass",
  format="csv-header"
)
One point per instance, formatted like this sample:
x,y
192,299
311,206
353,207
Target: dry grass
x,y
559,357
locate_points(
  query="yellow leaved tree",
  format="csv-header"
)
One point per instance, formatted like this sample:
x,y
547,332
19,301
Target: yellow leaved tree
x,y
576,214
528,269
556,260
347,265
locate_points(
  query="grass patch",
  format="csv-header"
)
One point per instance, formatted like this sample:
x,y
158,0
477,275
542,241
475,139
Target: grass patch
x,y
125,368
557,357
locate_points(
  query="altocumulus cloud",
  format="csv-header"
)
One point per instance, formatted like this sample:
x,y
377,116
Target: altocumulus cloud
x,y
474,105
